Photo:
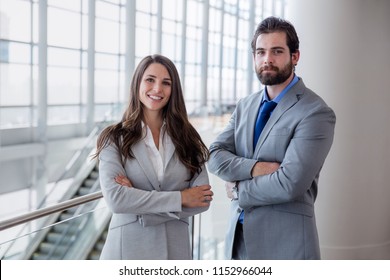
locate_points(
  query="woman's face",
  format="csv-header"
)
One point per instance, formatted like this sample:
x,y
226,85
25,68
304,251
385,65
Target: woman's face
x,y
155,87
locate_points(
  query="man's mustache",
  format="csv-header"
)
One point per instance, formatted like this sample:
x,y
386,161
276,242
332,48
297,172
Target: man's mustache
x,y
268,68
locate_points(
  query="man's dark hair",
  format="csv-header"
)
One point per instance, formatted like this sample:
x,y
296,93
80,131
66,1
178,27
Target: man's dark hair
x,y
275,24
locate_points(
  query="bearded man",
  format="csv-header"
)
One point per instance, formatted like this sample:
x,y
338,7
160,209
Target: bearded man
x,y
271,153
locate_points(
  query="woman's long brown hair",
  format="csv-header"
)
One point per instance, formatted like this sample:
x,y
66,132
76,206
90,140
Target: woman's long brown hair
x,y
190,149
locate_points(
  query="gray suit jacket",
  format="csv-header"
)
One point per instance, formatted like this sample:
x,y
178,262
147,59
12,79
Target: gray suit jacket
x,y
148,220
279,208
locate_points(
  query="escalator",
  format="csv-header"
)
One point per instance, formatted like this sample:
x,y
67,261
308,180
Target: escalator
x,y
78,233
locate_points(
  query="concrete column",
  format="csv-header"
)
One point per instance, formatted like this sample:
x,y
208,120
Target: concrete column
x,y
345,59
130,46
91,66
205,59
40,177
159,27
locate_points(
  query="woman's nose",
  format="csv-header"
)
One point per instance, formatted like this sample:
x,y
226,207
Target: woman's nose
x,y
157,87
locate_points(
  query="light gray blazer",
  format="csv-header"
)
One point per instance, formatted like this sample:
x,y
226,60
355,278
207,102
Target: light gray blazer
x,y
148,220
279,208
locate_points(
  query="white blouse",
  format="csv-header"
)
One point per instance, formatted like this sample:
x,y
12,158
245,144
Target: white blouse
x,y
159,157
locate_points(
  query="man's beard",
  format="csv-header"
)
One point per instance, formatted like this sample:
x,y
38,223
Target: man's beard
x,y
280,76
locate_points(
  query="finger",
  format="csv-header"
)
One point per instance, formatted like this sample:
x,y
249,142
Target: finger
x,y
210,193
204,187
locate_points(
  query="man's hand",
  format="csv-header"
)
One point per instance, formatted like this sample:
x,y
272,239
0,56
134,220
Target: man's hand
x,y
229,189
199,196
264,168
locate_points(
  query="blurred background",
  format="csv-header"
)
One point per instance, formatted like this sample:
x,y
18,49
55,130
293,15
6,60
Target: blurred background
x,y
65,69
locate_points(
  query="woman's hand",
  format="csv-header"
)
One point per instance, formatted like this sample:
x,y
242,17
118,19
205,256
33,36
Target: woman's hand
x,y
199,196
123,180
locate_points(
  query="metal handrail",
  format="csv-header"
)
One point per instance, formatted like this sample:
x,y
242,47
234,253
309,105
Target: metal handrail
x,y
18,220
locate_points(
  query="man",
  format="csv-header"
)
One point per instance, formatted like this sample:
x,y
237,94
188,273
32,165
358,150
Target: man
x,y
273,178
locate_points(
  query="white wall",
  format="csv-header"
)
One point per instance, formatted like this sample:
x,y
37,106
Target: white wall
x,y
345,58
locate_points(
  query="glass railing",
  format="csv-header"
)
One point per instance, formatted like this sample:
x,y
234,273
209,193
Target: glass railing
x,y
78,233
74,237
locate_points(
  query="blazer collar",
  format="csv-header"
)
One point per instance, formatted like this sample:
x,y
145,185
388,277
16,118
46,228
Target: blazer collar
x,y
141,155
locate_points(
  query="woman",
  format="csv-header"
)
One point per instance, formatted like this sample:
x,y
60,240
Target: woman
x,y
152,169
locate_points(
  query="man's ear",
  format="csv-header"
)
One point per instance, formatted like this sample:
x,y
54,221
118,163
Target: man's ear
x,y
295,57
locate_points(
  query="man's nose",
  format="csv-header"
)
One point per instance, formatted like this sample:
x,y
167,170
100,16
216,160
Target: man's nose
x,y
268,59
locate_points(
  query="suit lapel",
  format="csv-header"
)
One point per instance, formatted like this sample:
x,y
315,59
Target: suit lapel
x,y
141,155
253,110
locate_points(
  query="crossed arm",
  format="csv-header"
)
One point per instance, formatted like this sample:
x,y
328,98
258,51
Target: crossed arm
x,y
199,196
259,169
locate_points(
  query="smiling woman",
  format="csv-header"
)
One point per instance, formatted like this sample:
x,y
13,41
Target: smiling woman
x,y
152,174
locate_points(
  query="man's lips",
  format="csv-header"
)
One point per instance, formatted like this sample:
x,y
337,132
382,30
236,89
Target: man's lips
x,y
268,69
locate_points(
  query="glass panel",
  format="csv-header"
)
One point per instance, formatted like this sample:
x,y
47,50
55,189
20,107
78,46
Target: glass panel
x,y
15,84
108,112
63,114
107,36
143,43
106,87
149,6
14,52
15,20
63,85
173,10
62,57
73,5
169,46
106,61
107,11
63,28
194,13
15,117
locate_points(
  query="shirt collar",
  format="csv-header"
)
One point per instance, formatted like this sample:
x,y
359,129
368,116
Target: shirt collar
x,y
282,93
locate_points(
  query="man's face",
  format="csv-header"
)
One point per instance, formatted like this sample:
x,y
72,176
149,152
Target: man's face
x,y
273,62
